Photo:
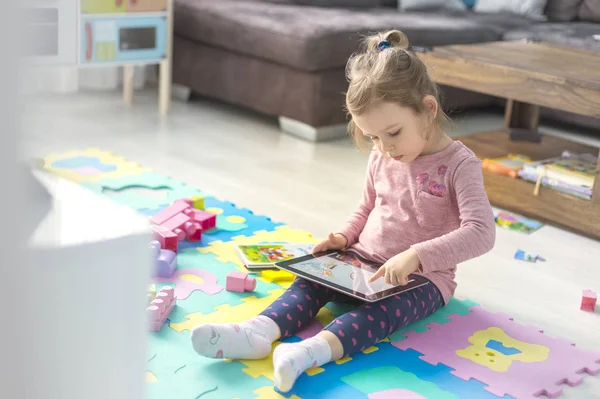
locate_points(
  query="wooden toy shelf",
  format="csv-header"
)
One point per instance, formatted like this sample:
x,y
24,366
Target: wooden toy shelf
x,y
553,207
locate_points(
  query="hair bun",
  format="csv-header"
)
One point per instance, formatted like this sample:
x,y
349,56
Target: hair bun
x,y
392,38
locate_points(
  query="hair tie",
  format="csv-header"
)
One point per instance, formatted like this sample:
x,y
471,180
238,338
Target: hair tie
x,y
383,44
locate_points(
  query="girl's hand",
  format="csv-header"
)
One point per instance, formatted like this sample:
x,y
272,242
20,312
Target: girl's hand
x,y
397,269
334,241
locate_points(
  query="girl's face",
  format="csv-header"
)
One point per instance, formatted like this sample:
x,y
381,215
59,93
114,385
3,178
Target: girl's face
x,y
396,131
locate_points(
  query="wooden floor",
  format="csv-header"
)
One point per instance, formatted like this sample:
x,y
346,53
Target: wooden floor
x,y
244,158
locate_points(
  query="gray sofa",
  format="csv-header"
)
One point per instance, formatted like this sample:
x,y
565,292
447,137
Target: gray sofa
x,y
286,59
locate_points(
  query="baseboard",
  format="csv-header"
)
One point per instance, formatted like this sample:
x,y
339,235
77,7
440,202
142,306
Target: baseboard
x,y
311,133
180,92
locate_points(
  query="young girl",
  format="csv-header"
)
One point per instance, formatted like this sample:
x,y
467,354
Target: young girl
x,y
423,210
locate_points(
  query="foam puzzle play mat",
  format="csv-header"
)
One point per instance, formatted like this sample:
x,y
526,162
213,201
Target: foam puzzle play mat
x,y
462,351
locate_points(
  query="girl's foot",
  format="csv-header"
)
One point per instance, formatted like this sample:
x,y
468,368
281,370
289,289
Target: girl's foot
x,y
251,339
291,360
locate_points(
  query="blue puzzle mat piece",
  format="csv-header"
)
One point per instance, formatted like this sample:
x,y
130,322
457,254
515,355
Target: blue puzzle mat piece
x,y
201,302
253,223
78,162
388,355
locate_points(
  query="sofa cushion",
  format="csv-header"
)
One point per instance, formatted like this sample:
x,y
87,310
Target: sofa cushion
x,y
531,8
313,38
420,5
590,11
572,34
562,10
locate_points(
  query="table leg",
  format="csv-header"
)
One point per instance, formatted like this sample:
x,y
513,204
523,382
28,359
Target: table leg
x,y
521,120
164,87
128,84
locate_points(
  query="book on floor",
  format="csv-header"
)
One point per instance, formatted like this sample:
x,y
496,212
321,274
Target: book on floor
x,y
264,256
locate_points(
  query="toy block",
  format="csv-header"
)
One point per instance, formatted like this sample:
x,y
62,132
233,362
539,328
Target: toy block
x,y
588,300
175,208
197,235
197,202
151,293
239,282
166,238
165,261
177,224
160,308
207,220
276,275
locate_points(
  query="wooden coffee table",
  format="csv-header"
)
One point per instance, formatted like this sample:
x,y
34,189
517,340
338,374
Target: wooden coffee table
x,y
529,75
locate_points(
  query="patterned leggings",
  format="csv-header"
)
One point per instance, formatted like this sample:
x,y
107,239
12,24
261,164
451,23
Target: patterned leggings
x,y
359,329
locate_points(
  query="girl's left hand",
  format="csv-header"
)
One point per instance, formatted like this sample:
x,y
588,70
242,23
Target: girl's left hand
x,y
397,269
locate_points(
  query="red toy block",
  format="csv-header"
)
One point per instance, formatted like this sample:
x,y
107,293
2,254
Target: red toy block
x,y
160,308
207,220
167,239
239,282
588,300
172,210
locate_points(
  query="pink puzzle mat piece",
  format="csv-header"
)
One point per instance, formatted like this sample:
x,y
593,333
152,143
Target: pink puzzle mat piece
x,y
184,288
565,363
396,394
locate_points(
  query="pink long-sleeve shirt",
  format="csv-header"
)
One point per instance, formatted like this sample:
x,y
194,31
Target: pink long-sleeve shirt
x,y
437,205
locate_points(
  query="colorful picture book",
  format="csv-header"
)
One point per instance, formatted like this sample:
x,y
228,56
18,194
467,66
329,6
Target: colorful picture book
x,y
263,256
517,222
571,168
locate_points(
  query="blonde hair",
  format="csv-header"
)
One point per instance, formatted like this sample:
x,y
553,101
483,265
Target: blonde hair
x,y
386,70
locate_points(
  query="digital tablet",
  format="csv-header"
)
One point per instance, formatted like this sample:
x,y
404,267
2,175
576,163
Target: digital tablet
x,y
348,273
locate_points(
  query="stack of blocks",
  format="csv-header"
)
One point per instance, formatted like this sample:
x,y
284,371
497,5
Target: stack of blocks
x,y
182,220
160,308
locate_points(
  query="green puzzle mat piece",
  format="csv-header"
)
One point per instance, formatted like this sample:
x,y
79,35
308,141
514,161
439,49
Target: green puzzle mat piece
x,y
198,301
147,180
182,374
385,378
455,306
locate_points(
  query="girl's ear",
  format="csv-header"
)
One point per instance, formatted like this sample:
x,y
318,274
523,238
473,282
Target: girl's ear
x,y
431,105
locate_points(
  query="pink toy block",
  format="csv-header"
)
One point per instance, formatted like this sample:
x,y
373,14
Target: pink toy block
x,y
166,238
207,220
177,224
160,308
239,282
165,261
588,300
196,235
175,208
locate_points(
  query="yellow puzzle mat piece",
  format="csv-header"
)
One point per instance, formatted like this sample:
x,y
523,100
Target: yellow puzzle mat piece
x,y
226,313
497,361
124,167
225,251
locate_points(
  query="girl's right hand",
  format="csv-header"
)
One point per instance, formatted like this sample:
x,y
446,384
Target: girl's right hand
x,y
334,241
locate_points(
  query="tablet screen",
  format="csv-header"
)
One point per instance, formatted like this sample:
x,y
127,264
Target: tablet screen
x,y
346,272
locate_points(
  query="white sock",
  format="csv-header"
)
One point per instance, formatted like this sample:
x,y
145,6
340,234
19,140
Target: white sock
x,y
251,339
291,360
